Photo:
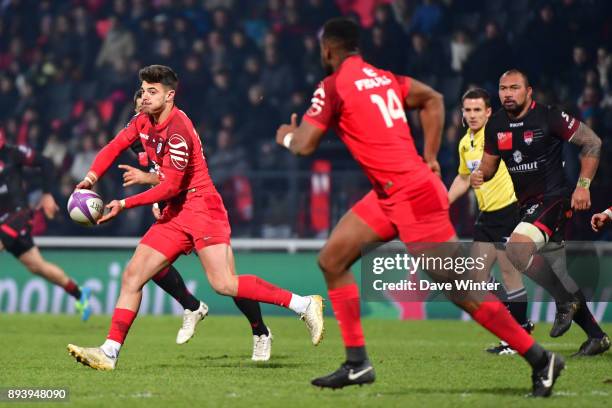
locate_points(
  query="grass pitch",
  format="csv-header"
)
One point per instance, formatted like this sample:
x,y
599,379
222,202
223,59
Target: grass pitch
x,y
428,363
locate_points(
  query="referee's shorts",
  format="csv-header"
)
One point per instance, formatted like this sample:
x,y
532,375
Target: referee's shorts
x,y
497,226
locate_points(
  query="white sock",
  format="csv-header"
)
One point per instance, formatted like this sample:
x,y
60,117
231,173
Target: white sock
x,y
111,348
298,303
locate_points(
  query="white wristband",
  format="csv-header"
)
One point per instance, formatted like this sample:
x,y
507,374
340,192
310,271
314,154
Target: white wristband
x,y
156,206
608,212
287,140
90,181
122,203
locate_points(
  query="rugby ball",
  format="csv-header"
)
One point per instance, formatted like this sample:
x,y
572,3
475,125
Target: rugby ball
x,y
85,207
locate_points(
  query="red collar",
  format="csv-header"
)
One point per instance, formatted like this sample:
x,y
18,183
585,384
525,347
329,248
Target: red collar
x,y
164,124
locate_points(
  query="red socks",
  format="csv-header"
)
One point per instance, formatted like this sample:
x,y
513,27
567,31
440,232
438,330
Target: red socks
x,y
345,302
494,317
120,324
254,288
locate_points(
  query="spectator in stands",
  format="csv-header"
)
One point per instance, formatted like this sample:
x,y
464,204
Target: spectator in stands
x,y
83,159
277,77
253,130
491,57
423,61
220,98
118,44
460,49
427,18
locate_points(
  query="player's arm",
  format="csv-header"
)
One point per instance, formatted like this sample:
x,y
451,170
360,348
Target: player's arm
x,y
108,154
590,152
170,184
460,186
132,176
568,128
600,219
301,140
490,159
304,139
30,158
485,172
430,104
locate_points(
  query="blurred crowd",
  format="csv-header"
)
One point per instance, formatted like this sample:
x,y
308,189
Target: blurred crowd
x,y
68,71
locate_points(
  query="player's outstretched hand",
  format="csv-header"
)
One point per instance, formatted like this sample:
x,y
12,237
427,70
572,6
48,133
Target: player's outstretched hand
x,y
114,208
48,205
133,176
581,199
476,179
599,220
284,129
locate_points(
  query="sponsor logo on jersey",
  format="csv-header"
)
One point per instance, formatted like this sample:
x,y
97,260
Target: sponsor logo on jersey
x,y
528,137
179,151
472,165
524,168
518,156
144,136
504,140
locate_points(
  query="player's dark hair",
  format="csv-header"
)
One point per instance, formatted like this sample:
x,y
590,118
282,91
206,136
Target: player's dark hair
x,y
477,93
343,31
159,74
519,72
137,95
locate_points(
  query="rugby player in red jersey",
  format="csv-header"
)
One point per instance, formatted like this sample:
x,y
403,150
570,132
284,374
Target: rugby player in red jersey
x,y
194,218
365,105
170,279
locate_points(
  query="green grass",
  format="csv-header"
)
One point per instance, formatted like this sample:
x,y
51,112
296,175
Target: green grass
x,y
433,363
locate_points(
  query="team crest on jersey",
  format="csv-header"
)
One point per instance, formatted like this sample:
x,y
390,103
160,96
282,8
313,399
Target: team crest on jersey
x,y
159,147
179,151
504,140
518,156
528,137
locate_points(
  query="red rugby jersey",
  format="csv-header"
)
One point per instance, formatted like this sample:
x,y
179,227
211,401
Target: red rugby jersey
x,y
175,149
365,105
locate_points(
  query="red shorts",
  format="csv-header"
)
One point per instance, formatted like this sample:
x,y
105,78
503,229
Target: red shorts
x,y
415,213
200,221
368,209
